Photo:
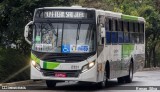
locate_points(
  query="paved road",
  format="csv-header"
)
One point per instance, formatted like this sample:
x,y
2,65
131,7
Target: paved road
x,y
151,79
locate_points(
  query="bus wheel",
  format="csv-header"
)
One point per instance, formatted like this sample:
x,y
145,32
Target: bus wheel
x,y
129,78
104,82
50,83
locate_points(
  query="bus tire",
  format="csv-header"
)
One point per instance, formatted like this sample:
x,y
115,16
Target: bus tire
x,y
129,77
104,82
50,83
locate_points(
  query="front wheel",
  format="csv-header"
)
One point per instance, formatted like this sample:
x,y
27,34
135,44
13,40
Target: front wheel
x,y
50,83
104,82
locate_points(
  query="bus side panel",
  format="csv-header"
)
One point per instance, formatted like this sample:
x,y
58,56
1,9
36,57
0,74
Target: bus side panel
x,y
113,55
139,57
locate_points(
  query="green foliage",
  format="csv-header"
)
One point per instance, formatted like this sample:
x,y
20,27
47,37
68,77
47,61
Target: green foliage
x,y
14,15
12,61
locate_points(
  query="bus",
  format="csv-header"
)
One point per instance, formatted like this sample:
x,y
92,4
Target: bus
x,y
85,45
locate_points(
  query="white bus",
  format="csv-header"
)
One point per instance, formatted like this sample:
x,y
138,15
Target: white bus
x,y
85,45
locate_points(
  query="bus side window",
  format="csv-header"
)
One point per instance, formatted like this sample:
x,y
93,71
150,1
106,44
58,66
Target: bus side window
x,y
120,33
116,25
126,37
108,37
131,30
110,25
120,37
137,32
114,33
126,31
141,36
136,27
108,28
125,26
114,37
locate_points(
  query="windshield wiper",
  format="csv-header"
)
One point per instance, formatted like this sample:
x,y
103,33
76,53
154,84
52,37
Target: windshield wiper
x,y
78,32
57,36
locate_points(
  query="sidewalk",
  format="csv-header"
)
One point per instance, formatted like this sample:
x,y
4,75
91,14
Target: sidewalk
x,y
26,82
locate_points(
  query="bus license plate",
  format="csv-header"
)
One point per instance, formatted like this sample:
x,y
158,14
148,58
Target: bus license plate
x,y
60,75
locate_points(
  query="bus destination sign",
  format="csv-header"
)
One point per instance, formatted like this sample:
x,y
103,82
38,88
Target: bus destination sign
x,y
64,14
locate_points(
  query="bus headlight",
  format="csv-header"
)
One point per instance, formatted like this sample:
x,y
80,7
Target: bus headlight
x,y
33,62
91,64
37,66
88,66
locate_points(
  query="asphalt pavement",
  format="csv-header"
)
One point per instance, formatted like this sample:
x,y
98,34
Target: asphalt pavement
x,y
144,81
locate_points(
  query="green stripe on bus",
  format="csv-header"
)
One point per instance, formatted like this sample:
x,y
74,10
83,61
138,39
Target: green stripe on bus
x,y
130,18
127,49
50,65
33,57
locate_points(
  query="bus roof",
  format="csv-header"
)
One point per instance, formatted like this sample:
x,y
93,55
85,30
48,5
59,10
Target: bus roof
x,y
107,13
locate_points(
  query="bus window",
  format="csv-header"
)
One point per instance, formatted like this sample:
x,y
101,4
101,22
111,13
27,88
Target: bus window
x,y
125,26
114,37
108,28
126,37
113,25
132,38
130,26
120,37
108,37
136,27
110,25
141,27
120,25
116,25
141,38
107,24
136,37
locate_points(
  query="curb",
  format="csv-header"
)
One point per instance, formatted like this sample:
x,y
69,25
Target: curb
x,y
151,69
20,83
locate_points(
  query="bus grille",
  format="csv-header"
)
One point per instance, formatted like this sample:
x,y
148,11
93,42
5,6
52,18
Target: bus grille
x,y
69,73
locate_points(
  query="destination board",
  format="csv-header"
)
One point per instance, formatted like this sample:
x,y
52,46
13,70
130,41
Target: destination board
x,y
75,14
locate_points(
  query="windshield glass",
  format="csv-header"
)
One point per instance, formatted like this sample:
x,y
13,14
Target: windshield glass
x,y
64,38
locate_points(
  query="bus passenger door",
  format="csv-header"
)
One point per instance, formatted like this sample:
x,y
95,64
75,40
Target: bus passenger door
x,y
100,47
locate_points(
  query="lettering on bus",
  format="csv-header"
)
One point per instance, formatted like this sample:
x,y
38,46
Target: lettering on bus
x,y
64,14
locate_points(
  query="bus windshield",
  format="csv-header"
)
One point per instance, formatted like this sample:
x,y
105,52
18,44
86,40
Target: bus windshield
x,y
64,38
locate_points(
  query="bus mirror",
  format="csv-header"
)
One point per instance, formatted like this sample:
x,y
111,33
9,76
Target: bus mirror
x,y
102,32
26,31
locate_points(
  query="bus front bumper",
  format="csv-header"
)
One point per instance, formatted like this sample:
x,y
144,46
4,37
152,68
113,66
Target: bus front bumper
x,y
87,76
